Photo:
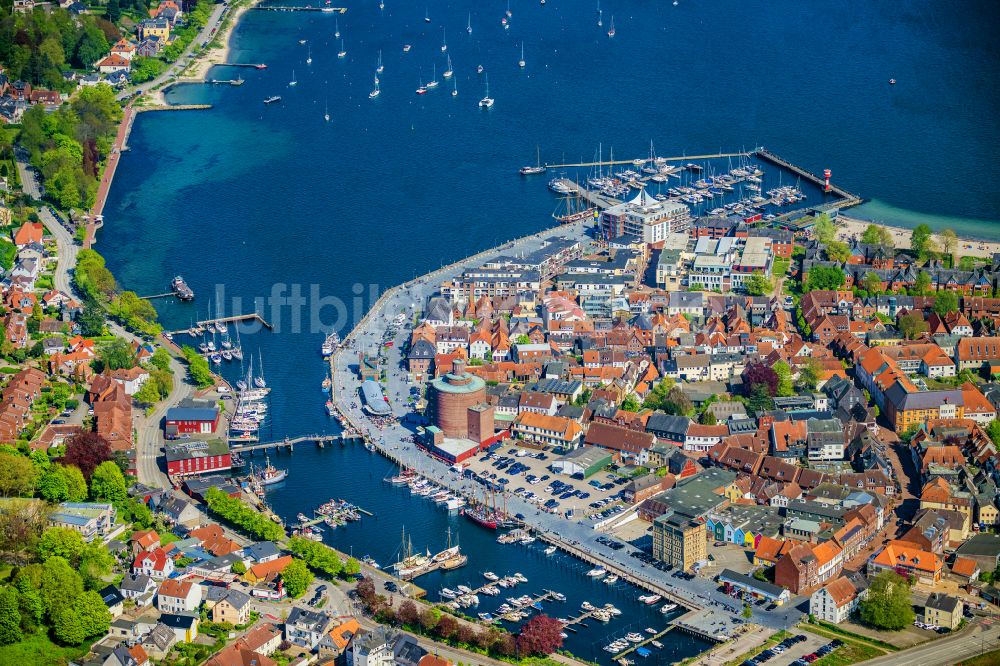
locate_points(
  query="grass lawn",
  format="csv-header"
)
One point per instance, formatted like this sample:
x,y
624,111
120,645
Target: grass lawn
x,y
849,653
988,659
38,650
168,537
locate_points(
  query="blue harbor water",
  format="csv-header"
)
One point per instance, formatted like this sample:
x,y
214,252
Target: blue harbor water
x,y
247,200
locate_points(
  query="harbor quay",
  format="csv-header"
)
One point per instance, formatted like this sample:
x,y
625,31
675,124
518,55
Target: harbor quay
x,y
382,328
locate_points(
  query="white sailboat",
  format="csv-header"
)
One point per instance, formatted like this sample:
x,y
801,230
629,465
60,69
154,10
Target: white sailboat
x,y
326,111
343,52
520,63
600,18
375,93
487,102
454,91
381,5
468,28
611,32
336,30
378,70
444,42
258,381
427,16
448,72
433,83
293,82
309,58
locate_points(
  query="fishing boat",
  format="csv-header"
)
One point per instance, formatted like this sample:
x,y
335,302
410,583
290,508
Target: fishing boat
x,y
448,72
272,99
380,68
375,91
611,32
520,63
538,168
433,83
269,475
343,52
444,42
487,101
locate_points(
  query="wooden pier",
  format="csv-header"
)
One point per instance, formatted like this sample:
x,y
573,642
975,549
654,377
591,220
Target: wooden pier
x,y
173,107
290,442
286,8
682,158
590,196
643,643
847,198
226,320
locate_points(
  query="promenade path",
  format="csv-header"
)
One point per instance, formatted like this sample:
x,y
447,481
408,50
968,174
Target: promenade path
x,y
124,127
395,441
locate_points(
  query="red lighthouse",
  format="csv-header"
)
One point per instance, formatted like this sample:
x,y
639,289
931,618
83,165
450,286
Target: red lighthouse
x,y
826,178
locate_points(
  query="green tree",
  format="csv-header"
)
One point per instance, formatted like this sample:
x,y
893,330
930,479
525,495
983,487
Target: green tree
x,y
760,399
658,396
108,484
94,615
114,12
10,616
758,284
922,284
30,605
888,605
871,283
825,277
809,375
631,403
92,319
678,403
52,485
351,567
823,229
60,585
945,302
60,542
118,355
522,340
912,325
837,251
878,236
993,430
17,475
238,568
96,562
949,241
146,69
785,387
67,626
747,612
161,359
920,240
296,577
198,368
708,418
148,393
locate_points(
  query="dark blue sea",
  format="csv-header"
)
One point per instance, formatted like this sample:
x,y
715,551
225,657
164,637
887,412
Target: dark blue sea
x,y
311,218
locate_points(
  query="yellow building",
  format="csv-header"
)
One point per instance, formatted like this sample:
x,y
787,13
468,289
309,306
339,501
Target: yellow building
x,y
679,541
233,608
155,27
943,610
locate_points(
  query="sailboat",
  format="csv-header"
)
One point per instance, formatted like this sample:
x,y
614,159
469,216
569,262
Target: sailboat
x,y
448,72
454,91
422,89
427,16
468,28
509,14
293,82
378,70
444,42
309,58
520,63
487,102
343,51
336,33
611,32
381,5
538,168
375,93
258,381
326,111
433,83
600,17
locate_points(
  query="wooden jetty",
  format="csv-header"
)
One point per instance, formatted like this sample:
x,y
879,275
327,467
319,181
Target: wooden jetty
x,y
646,641
289,442
682,158
287,8
227,320
173,107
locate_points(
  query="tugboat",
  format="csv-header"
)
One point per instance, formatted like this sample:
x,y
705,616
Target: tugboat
x,y
270,475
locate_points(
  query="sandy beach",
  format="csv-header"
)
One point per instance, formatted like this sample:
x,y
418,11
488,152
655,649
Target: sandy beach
x,y
198,70
848,227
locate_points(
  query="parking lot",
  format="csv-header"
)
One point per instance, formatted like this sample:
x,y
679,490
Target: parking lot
x,y
526,473
798,650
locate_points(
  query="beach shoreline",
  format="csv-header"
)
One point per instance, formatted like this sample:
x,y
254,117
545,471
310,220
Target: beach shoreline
x,y
216,55
850,227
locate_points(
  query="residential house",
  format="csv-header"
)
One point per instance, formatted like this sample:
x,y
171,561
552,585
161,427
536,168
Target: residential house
x,y
178,596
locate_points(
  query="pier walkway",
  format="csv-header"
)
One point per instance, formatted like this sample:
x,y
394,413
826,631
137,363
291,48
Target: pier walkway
x,y
227,320
290,442
682,158
590,196
299,8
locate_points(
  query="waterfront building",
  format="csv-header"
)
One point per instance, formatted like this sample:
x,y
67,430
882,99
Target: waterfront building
x,y
452,395
192,418
758,589
679,541
645,219
197,457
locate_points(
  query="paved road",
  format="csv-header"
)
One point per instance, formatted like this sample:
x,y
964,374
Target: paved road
x,y
372,336
983,637
218,14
